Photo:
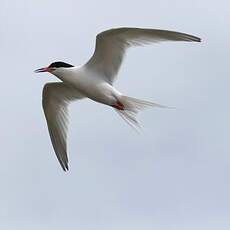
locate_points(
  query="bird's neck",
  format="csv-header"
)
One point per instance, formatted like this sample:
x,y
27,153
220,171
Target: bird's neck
x,y
65,74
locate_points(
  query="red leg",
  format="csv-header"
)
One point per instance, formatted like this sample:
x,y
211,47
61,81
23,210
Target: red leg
x,y
118,106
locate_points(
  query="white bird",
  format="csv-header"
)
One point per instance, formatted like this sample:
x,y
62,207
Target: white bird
x,y
95,80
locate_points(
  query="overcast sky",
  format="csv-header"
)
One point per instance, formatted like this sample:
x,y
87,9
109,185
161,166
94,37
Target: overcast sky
x,y
174,176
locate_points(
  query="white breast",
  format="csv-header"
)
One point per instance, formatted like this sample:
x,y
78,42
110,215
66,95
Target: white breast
x,y
89,84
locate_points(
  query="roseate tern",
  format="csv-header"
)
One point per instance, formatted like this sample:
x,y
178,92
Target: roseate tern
x,y
95,80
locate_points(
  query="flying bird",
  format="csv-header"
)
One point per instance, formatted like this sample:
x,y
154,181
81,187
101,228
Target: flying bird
x,y
95,80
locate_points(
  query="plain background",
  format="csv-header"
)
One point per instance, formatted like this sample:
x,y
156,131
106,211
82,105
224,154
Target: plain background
x,y
174,176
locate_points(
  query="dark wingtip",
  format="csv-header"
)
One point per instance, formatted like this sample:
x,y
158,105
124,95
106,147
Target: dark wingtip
x,y
195,39
199,40
65,168
191,38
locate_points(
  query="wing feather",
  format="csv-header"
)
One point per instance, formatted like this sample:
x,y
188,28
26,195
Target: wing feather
x,y
55,100
112,44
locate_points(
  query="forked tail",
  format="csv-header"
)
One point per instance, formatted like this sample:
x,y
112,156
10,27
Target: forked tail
x,y
128,108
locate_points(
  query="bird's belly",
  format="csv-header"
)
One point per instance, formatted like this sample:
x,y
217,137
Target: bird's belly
x,y
92,86
98,91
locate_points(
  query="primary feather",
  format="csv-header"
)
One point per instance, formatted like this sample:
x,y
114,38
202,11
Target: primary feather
x,y
56,97
112,44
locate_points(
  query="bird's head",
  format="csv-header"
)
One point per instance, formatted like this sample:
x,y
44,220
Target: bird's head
x,y
54,67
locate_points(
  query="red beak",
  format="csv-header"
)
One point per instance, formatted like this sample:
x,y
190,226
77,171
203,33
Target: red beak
x,y
46,69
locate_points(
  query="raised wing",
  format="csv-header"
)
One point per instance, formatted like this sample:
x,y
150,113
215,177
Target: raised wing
x,y
112,44
55,100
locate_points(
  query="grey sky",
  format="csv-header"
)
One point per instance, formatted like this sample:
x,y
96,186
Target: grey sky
x,y
174,176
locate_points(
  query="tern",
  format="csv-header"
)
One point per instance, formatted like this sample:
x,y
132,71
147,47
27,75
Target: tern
x,y
95,80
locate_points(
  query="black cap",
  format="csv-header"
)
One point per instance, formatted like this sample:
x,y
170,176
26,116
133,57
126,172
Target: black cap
x,y
60,64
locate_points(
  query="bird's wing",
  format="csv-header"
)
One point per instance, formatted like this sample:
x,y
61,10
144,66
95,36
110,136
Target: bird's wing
x,y
55,99
112,44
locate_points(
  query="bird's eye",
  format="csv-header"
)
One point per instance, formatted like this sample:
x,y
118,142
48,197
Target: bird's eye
x,y
52,68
